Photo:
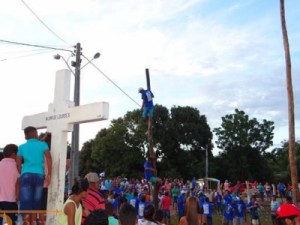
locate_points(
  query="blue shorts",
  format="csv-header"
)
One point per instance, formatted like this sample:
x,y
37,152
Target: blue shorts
x,y
167,213
31,190
147,112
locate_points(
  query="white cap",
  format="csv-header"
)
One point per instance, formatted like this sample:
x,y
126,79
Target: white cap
x,y
140,89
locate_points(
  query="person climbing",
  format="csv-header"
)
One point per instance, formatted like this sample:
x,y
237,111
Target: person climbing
x,y
147,106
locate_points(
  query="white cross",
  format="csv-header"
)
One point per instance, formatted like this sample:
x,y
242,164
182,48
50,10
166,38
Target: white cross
x,y
59,121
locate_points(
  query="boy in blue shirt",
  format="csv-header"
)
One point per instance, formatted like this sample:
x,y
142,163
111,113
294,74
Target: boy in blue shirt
x,y
240,212
32,154
228,213
147,106
207,211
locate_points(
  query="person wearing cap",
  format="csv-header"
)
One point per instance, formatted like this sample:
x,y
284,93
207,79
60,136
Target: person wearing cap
x,y
288,214
94,199
147,105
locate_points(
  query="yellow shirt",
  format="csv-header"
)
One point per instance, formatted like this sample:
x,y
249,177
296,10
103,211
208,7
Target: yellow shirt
x,y
63,219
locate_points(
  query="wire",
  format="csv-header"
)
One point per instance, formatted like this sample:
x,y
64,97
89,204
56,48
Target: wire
x,y
28,55
27,6
111,81
37,46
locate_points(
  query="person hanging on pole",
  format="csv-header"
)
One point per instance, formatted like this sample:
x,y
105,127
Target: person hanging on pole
x,y
149,173
147,106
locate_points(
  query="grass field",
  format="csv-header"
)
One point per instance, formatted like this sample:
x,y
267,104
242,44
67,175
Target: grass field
x,y
265,217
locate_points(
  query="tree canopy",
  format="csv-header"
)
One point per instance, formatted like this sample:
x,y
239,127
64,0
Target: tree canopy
x,y
179,136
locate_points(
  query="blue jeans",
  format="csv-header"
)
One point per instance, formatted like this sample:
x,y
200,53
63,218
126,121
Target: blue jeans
x,y
31,189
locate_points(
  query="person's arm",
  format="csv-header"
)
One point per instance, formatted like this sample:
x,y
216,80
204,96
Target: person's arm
x,y
19,162
17,190
69,210
49,164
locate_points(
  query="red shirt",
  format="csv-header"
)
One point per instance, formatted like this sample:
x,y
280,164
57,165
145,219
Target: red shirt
x,y
165,203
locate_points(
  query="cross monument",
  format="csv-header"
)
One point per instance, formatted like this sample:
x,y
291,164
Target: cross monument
x,y
59,120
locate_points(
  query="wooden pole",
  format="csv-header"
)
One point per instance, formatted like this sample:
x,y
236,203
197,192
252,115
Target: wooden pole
x,y
154,191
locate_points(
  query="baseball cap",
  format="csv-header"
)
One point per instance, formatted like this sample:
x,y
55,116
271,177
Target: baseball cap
x,y
182,192
140,89
92,177
287,210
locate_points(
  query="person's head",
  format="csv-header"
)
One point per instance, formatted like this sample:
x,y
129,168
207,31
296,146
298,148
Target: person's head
x,y
127,215
10,151
93,179
289,199
192,210
109,207
97,217
288,214
159,215
30,132
80,187
140,90
149,212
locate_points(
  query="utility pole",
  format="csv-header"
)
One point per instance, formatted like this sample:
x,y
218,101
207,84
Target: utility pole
x,y
206,166
154,190
75,133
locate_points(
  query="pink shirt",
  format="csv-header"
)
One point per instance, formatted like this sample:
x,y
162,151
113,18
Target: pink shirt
x,y
9,177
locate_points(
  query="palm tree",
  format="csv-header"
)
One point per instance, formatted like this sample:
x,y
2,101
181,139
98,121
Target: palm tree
x,y
289,85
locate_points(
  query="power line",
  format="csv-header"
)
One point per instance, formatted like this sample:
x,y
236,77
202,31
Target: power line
x,y
37,46
111,81
36,16
28,55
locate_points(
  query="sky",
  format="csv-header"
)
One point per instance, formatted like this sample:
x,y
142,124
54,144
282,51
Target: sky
x,y
213,55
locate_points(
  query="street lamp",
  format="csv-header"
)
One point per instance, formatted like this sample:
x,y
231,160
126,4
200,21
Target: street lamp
x,y
75,134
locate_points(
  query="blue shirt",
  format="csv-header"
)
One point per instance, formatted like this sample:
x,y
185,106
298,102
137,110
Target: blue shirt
x,y
181,202
135,201
207,209
218,199
229,211
32,153
147,96
148,173
240,209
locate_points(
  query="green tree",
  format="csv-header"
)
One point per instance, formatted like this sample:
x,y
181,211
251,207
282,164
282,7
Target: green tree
x,y
278,161
243,141
179,137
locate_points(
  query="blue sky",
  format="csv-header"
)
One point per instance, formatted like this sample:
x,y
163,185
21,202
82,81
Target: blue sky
x,y
214,55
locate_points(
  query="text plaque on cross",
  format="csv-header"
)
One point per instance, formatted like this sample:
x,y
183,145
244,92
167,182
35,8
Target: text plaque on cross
x,y
59,120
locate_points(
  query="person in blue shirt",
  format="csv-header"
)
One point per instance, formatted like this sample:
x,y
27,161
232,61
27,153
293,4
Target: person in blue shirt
x,y
227,197
218,201
202,199
240,212
181,204
228,213
207,211
253,207
148,171
135,201
147,106
30,160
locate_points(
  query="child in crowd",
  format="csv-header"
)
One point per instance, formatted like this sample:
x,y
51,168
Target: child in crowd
x,y
72,211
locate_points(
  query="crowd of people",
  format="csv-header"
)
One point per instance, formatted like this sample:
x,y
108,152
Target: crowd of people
x,y
97,199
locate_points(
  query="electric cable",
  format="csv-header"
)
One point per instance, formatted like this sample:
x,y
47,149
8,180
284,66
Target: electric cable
x,y
37,46
41,21
111,81
28,55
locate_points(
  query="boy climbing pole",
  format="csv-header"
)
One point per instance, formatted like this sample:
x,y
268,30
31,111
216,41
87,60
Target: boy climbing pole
x,y
150,173
147,107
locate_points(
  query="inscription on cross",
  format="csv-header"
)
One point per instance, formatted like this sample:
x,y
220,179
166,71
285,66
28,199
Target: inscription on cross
x,y
59,120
